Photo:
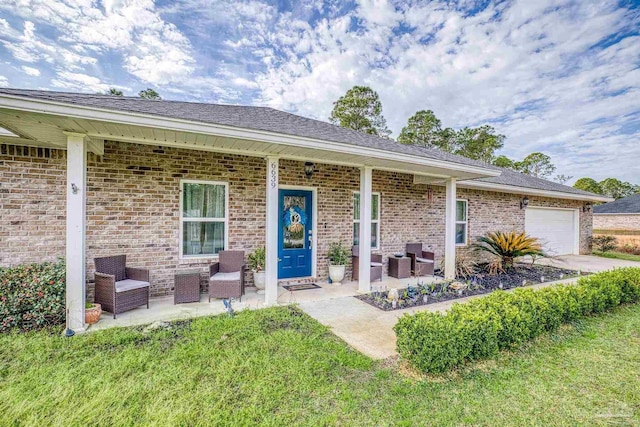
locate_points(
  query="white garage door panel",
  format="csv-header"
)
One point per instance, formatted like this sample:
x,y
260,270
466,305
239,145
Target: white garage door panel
x,y
554,227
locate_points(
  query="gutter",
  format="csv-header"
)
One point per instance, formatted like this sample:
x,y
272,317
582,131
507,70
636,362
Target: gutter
x,y
488,186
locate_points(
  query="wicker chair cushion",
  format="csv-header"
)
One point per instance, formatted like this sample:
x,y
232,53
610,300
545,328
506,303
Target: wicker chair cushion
x,y
227,277
130,284
424,260
376,264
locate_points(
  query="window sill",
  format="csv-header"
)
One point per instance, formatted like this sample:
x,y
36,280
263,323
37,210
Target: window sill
x,y
204,260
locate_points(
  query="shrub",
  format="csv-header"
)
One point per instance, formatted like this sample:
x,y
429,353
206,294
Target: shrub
x,y
508,246
604,243
257,259
465,265
338,254
32,296
435,342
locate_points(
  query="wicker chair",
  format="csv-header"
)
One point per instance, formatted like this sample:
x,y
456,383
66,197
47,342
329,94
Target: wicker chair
x,y
422,262
120,288
376,265
227,275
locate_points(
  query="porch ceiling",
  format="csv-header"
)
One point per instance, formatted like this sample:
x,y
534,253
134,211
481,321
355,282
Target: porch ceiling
x,y
48,130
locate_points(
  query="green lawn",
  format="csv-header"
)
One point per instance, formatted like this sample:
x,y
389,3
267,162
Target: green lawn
x,y
618,255
279,367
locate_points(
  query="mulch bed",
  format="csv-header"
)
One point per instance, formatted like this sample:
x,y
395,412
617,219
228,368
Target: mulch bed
x,y
481,283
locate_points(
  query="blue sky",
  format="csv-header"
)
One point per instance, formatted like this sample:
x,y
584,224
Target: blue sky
x,y
557,76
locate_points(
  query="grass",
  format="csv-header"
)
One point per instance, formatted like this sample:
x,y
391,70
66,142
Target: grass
x,y
279,367
618,255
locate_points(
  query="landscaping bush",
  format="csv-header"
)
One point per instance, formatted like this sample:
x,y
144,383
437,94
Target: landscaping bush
x,y
604,243
32,296
435,342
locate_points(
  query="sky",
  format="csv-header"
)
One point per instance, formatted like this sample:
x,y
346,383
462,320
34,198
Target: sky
x,y
557,76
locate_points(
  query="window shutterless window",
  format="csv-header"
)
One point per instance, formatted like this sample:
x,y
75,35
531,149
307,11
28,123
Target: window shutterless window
x,y
461,222
204,214
375,219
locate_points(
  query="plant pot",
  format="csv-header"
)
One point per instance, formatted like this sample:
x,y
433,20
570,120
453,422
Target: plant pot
x,y
259,279
92,315
336,273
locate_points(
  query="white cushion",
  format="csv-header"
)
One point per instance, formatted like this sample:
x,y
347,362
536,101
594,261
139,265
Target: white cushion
x,y
424,260
376,264
130,284
226,276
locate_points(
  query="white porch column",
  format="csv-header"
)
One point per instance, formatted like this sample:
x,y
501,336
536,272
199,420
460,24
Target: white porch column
x,y
76,220
450,230
364,273
271,259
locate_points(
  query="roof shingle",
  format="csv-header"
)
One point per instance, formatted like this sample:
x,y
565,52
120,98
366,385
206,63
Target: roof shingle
x,y
271,120
627,205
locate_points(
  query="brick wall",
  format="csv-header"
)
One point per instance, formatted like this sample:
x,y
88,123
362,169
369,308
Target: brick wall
x,y
32,204
616,222
134,198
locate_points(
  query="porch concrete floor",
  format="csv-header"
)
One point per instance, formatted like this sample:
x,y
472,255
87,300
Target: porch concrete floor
x,y
163,309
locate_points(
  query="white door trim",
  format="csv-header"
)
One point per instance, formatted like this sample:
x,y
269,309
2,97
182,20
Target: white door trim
x,y
314,240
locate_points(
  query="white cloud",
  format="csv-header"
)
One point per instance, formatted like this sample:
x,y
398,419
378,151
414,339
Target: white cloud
x,y
153,50
79,82
30,71
4,82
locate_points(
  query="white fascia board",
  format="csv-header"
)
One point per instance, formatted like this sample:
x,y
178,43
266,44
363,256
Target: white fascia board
x,y
139,119
489,186
617,213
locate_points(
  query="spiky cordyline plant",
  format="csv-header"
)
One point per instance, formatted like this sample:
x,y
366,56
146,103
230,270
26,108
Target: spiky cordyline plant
x,y
509,246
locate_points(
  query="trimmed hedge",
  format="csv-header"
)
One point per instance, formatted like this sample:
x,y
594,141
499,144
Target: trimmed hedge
x,y
32,296
478,329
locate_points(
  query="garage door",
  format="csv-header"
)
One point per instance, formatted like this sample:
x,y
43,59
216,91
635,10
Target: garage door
x,y
554,227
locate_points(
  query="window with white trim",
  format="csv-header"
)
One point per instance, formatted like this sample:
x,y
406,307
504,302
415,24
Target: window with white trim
x,y
461,222
375,219
203,218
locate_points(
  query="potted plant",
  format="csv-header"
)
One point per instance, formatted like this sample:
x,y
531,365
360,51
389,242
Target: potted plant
x,y
338,258
92,312
256,263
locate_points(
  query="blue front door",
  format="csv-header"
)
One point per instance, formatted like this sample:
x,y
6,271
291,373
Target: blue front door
x,y
295,234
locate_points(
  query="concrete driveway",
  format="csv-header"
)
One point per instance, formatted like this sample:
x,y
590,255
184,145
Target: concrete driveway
x,y
589,263
370,330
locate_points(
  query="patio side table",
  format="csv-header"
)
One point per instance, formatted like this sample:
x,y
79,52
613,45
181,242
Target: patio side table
x,y
187,286
400,268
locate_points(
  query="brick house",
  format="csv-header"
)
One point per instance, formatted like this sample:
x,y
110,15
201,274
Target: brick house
x,y
622,214
93,175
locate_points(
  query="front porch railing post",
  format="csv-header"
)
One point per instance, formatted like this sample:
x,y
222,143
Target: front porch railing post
x,y
271,259
76,229
450,230
364,273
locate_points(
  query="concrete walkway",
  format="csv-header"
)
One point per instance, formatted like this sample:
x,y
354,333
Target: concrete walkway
x,y
370,330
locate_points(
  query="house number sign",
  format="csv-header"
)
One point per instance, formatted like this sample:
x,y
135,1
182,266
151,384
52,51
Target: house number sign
x,y
273,173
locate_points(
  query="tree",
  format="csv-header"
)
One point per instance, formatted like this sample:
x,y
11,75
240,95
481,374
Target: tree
x,y
503,161
424,129
113,92
149,94
562,178
478,143
360,109
617,189
536,164
588,184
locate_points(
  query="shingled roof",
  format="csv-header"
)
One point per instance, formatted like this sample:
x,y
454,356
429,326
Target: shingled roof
x,y
272,120
627,205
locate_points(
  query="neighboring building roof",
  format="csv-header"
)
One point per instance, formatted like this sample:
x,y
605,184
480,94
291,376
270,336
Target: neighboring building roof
x,y
271,120
627,205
